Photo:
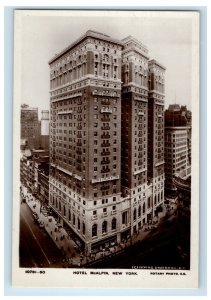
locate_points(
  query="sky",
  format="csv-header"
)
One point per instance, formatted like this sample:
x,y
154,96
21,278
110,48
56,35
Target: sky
x,y
169,38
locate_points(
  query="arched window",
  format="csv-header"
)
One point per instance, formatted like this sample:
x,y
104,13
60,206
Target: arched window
x,y
113,224
104,227
73,219
56,203
139,211
64,211
106,57
79,224
94,230
134,214
60,207
69,215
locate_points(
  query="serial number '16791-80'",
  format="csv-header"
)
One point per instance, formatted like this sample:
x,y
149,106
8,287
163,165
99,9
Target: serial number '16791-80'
x,y
34,272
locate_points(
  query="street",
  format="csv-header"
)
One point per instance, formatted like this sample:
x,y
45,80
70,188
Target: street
x,y
36,247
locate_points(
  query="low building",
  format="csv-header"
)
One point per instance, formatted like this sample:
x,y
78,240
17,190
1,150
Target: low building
x,y
31,164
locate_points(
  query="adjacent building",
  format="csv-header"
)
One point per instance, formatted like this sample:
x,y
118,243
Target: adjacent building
x,y
106,138
30,126
31,163
177,144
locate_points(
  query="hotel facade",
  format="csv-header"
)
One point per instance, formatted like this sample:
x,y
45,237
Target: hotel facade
x,y
106,138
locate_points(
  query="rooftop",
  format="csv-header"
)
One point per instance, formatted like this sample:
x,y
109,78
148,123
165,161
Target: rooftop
x,y
153,61
131,38
89,33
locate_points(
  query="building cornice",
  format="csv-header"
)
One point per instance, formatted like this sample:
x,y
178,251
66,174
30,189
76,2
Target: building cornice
x,y
91,34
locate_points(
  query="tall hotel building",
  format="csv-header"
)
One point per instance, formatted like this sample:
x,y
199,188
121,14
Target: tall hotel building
x,y
99,183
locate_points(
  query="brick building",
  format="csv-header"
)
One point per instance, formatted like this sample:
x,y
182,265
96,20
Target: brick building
x,y
99,167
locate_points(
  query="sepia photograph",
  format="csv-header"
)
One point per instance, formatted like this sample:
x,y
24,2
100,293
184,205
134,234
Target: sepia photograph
x,y
106,167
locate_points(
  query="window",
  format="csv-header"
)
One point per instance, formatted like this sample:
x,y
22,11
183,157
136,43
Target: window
x,y
114,198
94,212
134,214
139,211
144,208
113,224
148,205
104,227
83,228
94,230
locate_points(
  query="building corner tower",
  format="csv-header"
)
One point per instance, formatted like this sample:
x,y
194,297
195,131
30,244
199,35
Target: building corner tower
x,y
134,132
156,100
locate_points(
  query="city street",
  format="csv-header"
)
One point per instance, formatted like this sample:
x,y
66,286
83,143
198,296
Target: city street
x,y
36,247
